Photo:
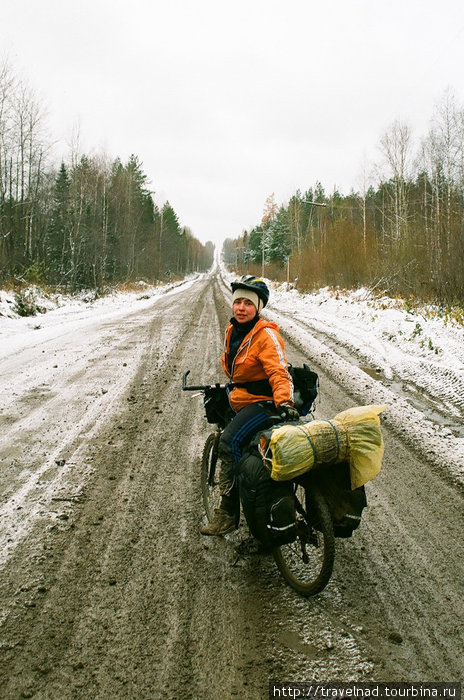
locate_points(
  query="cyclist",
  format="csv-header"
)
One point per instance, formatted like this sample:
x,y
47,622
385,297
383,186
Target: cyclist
x,y
254,360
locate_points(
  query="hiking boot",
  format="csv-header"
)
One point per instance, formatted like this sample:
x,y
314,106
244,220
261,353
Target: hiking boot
x,y
220,524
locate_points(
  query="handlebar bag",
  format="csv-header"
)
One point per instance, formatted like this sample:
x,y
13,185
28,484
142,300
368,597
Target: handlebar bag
x,y
216,405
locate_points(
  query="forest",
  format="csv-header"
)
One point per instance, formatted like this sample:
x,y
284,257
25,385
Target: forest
x,y
91,220
85,223
401,233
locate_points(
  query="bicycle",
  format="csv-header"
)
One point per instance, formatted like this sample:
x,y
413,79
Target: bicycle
x,y
306,564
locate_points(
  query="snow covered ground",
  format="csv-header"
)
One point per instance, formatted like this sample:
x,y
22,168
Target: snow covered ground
x,y
378,348
57,309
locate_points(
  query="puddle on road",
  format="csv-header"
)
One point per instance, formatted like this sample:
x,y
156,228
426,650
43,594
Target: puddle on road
x,y
293,641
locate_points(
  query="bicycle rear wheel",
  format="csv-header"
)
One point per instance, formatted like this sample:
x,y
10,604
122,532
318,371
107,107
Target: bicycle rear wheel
x,y
210,475
307,563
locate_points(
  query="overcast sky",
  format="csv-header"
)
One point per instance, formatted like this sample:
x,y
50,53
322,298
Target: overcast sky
x,y
226,103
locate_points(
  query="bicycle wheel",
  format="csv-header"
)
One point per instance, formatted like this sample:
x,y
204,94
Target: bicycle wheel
x,y
210,475
307,563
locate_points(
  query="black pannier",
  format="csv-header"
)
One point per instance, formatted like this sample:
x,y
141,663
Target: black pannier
x,y
268,506
306,383
345,504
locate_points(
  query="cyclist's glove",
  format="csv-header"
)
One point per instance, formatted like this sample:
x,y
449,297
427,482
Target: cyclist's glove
x,y
288,412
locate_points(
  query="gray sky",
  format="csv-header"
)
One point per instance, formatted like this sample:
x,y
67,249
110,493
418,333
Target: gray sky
x,y
226,103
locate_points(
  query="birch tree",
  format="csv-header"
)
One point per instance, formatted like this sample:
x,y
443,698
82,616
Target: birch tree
x,y
395,145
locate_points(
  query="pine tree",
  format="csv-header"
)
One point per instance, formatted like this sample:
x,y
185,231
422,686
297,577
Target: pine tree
x,y
279,237
57,237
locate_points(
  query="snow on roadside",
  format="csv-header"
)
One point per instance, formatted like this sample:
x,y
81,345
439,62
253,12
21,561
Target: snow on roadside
x,y
411,345
346,333
61,313
427,437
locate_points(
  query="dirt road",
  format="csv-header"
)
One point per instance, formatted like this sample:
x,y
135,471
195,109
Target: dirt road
x,y
108,591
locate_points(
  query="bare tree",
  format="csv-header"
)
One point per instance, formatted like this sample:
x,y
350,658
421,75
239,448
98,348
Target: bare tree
x,y
74,144
366,180
6,90
22,162
395,145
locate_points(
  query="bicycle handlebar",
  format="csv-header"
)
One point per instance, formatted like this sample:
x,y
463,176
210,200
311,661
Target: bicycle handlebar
x,y
199,387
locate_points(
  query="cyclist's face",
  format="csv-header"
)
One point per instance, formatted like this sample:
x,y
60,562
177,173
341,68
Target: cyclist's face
x,y
244,310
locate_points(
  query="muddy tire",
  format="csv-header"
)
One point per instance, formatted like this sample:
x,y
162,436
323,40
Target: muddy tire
x,y
210,475
307,563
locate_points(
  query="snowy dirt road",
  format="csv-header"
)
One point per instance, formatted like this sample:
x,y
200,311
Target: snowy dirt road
x,y
108,591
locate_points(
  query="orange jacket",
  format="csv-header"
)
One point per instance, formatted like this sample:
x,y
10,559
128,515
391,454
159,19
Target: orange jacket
x,y
260,356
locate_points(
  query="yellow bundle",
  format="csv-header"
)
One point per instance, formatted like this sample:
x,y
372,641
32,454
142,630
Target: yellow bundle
x,y
353,435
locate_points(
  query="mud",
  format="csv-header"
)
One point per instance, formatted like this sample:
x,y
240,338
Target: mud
x,y
108,591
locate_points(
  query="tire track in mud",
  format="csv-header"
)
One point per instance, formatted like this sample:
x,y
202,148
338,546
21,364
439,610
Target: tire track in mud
x,y
439,394
121,597
41,450
398,583
117,606
97,444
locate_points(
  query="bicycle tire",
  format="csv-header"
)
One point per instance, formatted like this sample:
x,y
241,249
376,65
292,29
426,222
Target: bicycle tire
x,y
210,476
307,563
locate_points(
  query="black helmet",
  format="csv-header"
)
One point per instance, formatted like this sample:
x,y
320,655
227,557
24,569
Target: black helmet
x,y
254,284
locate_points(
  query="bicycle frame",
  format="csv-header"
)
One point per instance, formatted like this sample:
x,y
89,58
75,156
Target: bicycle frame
x,y
306,564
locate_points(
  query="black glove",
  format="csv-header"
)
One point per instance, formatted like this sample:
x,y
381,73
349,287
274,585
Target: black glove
x,y
288,412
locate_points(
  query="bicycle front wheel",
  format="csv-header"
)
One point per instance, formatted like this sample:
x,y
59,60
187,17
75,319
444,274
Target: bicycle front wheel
x,y
210,475
307,563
